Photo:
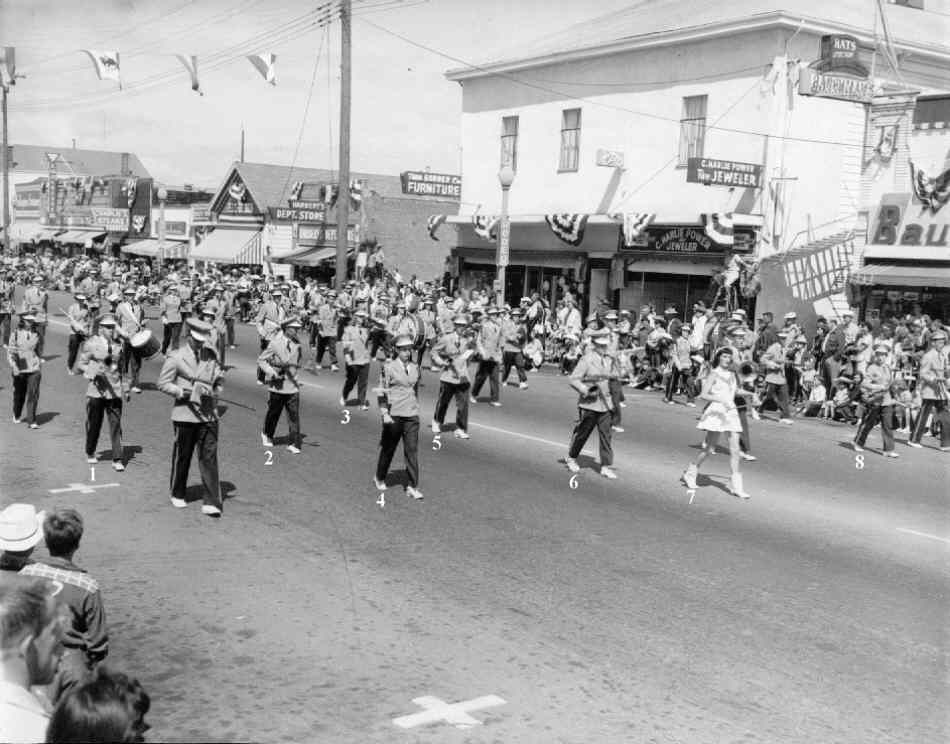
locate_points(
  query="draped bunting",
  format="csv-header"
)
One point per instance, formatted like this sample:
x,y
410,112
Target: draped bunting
x,y
719,227
933,192
296,189
7,67
433,224
633,224
191,64
328,194
356,193
264,64
107,64
568,227
131,186
237,190
486,227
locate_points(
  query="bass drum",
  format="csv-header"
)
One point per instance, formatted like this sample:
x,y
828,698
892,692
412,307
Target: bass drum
x,y
144,344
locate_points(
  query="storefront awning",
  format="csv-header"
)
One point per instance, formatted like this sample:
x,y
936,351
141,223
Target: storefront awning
x,y
903,276
226,246
79,237
310,256
147,248
47,234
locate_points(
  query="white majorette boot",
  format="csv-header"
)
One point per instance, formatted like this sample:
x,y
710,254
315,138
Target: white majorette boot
x,y
735,487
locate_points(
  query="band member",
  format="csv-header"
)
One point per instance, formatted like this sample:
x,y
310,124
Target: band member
x,y
268,320
594,405
130,316
427,316
99,363
186,293
719,390
170,309
7,288
878,402
452,353
399,404
80,329
357,358
36,302
281,362
213,312
192,376
231,309
489,343
327,319
933,392
26,364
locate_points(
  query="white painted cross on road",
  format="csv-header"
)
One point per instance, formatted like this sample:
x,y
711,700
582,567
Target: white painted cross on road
x,y
82,488
437,711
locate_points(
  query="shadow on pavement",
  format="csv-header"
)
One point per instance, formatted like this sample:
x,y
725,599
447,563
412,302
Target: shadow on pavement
x,y
46,417
196,491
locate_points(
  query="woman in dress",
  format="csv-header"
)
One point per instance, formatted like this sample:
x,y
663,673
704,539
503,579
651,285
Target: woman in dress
x,y
720,415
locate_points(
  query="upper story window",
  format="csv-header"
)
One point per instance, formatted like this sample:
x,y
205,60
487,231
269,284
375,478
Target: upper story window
x,y
570,139
692,128
932,112
509,142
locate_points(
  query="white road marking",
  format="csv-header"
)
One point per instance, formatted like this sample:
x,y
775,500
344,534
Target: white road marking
x,y
82,488
437,711
560,445
924,534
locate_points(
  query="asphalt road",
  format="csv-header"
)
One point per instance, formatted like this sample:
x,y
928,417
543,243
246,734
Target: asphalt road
x,y
613,612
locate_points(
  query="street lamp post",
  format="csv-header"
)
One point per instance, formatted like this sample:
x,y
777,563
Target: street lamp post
x,y
506,177
162,196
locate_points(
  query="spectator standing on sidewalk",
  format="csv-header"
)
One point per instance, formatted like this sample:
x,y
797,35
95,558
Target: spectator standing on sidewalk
x,y
107,707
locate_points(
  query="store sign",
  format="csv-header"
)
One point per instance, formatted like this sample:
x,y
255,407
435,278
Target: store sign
x,y
609,158
176,228
831,85
421,183
839,53
295,214
324,235
306,205
902,222
723,173
683,240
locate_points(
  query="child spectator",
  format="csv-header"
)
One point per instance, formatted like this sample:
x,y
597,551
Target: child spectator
x,y
843,404
817,398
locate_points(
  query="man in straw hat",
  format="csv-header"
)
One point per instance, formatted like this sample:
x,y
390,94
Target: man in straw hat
x,y
280,362
26,363
21,530
193,377
99,363
399,403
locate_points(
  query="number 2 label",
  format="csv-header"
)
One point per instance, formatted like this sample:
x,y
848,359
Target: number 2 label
x,y
270,458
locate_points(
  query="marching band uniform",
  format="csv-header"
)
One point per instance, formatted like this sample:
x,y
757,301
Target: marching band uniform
x,y
99,363
595,405
130,316
80,329
216,307
879,404
490,344
357,357
427,316
514,333
170,309
193,377
280,362
268,321
933,392
399,404
25,363
230,310
35,302
186,294
7,288
327,321
452,353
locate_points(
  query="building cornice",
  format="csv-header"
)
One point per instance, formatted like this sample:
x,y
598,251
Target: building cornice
x,y
768,21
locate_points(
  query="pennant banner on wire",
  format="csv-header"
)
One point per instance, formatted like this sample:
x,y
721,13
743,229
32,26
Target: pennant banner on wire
x,y
264,64
106,63
191,64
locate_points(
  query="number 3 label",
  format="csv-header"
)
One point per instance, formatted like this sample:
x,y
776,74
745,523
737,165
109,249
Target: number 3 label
x,y
346,416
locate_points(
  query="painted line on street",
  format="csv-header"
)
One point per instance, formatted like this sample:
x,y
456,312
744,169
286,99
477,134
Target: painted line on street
x,y
924,534
439,711
82,487
559,445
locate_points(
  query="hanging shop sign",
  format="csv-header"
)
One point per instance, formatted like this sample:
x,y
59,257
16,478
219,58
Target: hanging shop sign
x,y
110,218
297,214
687,240
421,183
317,235
829,85
840,53
723,173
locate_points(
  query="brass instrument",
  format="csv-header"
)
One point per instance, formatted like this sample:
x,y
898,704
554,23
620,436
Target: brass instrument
x,y
748,371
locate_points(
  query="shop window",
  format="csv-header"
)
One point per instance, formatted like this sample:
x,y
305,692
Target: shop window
x,y
692,128
509,142
570,140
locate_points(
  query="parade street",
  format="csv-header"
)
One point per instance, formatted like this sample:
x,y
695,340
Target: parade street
x,y
615,611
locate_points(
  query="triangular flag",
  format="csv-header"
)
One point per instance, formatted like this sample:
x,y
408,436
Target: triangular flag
x,y
107,64
7,67
191,64
264,63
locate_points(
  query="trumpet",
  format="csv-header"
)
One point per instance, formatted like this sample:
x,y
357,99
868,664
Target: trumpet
x,y
748,371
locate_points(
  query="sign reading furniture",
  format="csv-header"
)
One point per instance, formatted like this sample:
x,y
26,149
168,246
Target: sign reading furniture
x,y
421,183
723,173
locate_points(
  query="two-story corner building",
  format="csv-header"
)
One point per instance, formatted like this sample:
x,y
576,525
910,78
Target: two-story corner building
x,y
652,145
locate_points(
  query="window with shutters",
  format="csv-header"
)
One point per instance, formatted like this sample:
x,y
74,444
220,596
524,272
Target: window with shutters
x,y
692,128
570,140
509,142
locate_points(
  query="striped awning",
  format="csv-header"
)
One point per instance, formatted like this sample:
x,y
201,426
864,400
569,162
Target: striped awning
x,y
310,256
903,276
79,237
230,246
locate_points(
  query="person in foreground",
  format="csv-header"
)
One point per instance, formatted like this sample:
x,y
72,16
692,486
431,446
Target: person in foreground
x,y
107,707
719,416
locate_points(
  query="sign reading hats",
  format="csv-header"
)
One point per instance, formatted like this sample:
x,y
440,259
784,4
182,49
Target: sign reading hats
x,y
838,73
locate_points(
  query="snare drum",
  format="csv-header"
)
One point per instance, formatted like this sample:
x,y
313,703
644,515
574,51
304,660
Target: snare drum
x,y
144,344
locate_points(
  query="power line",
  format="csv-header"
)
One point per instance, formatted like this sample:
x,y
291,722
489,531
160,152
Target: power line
x,y
566,96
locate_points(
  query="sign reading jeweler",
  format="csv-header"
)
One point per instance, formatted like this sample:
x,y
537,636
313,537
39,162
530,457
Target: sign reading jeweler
x,y
723,173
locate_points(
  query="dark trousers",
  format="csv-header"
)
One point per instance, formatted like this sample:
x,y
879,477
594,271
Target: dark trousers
x,y
112,409
26,389
325,344
377,339
130,360
405,428
229,330
676,376
171,335
190,437
588,421
939,409
41,332
358,375
447,391
260,373
778,393
4,328
75,341
513,359
276,403
420,352
873,414
616,395
487,369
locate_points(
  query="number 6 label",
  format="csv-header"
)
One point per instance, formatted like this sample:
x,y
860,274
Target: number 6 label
x,y
573,482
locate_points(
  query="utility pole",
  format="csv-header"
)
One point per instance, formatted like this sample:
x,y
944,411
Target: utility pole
x,y
242,142
6,176
343,192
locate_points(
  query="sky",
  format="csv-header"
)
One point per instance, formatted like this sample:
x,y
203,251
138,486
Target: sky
x,y
405,114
